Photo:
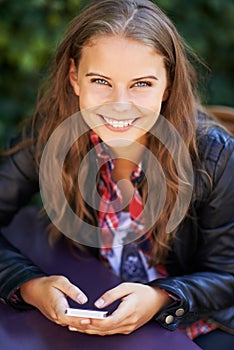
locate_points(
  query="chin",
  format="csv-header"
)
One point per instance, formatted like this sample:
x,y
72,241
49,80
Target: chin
x,y
118,142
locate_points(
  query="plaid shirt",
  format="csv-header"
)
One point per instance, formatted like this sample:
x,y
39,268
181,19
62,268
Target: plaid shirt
x,y
111,198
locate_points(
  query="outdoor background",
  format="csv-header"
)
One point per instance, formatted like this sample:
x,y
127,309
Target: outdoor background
x,y
30,30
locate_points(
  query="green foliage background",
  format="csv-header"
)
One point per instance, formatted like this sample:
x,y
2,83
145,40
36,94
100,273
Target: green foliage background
x,y
30,30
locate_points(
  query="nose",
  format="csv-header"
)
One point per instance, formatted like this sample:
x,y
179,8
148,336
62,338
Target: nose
x,y
121,100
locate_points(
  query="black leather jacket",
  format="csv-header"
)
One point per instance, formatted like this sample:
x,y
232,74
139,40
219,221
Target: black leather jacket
x,y
201,264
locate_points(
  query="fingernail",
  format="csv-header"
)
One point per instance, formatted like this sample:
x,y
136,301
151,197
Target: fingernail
x,y
85,321
99,303
73,329
82,298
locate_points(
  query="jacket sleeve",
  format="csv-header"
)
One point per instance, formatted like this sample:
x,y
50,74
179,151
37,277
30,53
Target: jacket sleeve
x,y
15,269
18,183
207,291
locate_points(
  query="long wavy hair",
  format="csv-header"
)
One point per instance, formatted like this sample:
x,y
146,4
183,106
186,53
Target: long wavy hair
x,y
140,20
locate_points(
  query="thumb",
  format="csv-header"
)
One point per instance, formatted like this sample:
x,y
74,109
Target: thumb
x,y
69,289
113,294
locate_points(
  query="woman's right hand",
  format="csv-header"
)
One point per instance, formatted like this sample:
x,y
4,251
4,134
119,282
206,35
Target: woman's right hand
x,y
48,294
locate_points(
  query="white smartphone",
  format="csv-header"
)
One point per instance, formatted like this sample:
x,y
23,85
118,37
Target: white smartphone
x,y
86,313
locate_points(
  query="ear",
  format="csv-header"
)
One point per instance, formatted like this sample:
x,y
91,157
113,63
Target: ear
x,y
166,94
73,77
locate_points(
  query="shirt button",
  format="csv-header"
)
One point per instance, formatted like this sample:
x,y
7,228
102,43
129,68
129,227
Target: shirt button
x,y
179,312
169,319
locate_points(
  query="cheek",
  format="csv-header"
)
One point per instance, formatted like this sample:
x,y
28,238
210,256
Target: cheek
x,y
152,102
159,98
91,98
85,99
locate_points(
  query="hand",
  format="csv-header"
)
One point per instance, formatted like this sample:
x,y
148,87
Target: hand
x,y
139,303
48,294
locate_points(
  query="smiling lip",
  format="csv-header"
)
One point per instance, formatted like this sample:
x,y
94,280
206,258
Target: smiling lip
x,y
118,125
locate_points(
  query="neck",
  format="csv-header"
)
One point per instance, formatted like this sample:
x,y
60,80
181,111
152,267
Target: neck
x,y
131,152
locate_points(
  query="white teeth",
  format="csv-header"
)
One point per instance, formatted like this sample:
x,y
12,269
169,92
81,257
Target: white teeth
x,y
119,124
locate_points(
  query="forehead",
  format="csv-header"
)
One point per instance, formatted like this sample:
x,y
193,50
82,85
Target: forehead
x,y
118,51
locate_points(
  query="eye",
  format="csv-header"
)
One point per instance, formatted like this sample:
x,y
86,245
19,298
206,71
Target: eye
x,y
143,84
99,81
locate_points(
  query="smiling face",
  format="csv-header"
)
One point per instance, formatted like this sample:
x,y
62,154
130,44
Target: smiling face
x,y
121,84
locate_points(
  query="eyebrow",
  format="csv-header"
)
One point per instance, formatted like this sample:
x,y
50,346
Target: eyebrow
x,y
135,79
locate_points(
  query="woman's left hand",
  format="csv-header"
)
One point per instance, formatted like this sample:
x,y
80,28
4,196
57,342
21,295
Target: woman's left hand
x,y
139,303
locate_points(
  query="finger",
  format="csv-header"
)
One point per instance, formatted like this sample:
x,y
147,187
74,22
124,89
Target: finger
x,y
111,325
122,313
113,294
69,289
91,331
85,324
102,332
78,323
115,323
60,304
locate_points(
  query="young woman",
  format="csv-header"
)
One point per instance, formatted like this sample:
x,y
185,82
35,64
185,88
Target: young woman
x,y
123,67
